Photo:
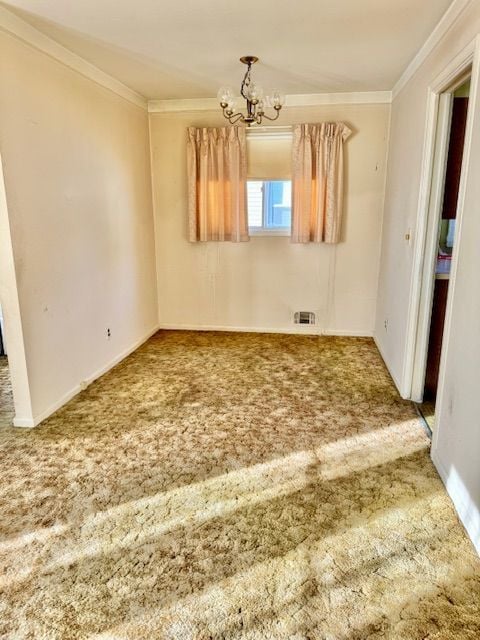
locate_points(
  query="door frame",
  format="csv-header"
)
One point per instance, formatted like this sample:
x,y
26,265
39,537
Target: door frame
x,y
439,105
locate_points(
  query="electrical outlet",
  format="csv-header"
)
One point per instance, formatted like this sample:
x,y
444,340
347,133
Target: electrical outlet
x,y
109,333
385,324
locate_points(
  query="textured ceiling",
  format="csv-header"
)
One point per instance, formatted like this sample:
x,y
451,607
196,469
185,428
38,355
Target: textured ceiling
x,y
188,49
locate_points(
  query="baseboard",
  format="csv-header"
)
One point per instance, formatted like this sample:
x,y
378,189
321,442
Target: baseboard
x,y
82,385
467,510
348,334
302,330
392,375
25,423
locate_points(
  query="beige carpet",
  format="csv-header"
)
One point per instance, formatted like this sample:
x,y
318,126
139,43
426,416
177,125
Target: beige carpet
x,y
219,486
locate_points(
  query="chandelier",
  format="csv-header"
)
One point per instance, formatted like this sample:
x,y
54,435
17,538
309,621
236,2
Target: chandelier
x,y
253,94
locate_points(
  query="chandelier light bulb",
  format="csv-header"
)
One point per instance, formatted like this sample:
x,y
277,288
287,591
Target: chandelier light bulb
x,y
224,95
255,92
277,99
231,106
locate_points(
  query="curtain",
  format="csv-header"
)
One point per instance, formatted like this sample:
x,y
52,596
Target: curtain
x,y
217,169
317,181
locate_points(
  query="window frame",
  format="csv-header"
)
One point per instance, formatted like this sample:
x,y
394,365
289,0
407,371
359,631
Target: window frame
x,y
263,230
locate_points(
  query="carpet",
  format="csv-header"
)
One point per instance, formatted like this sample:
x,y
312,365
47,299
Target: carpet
x,y
218,485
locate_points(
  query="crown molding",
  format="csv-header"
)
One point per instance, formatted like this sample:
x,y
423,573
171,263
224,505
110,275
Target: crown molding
x,y
353,97
449,18
294,100
187,104
13,25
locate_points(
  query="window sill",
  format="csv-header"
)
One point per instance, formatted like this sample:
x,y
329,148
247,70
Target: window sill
x,y
255,231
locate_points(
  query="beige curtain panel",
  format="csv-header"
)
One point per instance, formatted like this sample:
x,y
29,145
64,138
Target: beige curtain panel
x,y
317,181
217,170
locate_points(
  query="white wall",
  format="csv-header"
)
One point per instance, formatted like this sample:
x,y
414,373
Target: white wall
x,y
258,285
456,447
77,177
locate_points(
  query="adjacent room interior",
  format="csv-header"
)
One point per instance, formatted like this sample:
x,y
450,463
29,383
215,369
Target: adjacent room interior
x,y
239,346
450,140
6,397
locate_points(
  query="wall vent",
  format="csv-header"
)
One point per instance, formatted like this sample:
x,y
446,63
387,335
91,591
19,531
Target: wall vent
x,y
304,317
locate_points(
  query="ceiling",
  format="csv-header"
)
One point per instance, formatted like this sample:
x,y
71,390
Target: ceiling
x,y
188,49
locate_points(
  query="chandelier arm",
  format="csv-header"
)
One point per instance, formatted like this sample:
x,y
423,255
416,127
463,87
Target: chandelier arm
x,y
264,115
233,119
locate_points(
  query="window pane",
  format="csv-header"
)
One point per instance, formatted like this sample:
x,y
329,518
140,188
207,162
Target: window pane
x,y
269,204
278,203
255,203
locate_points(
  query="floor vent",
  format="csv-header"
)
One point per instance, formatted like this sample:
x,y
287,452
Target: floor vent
x,y
304,317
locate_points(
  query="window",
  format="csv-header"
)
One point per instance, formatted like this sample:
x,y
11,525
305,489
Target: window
x,y
269,205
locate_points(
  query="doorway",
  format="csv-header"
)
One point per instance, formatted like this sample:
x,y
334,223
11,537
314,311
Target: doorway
x,y
15,400
445,189
6,396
